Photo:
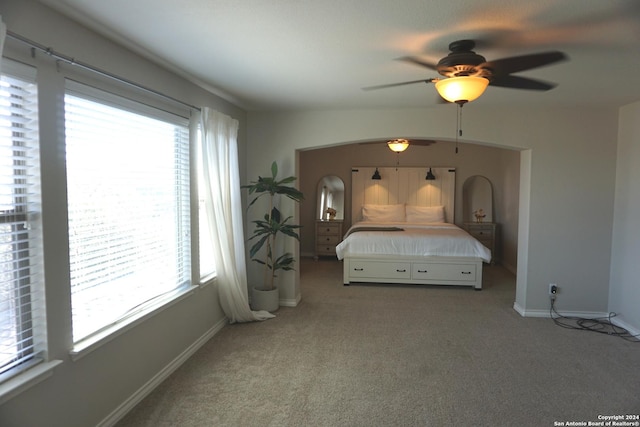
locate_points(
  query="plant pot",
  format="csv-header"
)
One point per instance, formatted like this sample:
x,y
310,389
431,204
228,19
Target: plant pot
x,y
267,300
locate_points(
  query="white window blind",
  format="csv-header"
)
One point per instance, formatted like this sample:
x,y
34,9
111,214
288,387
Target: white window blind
x,y
22,316
128,202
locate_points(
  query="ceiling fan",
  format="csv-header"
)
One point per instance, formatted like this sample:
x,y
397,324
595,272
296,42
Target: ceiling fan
x,y
467,74
398,145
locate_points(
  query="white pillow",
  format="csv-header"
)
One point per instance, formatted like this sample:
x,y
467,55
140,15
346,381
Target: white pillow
x,y
383,213
425,213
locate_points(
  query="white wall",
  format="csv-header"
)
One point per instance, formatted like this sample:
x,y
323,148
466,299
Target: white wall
x,y
573,155
85,392
624,293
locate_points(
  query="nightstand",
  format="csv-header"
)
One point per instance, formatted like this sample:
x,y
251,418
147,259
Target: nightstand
x,y
485,233
328,235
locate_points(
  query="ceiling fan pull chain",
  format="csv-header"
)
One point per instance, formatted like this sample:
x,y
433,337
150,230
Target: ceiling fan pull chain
x,y
460,128
458,124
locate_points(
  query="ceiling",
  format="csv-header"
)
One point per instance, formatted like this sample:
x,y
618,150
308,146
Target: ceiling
x,y
319,54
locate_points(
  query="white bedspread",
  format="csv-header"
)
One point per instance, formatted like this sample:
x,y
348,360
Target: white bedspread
x,y
432,239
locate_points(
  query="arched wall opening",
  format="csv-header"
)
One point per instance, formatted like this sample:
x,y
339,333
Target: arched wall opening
x,y
502,166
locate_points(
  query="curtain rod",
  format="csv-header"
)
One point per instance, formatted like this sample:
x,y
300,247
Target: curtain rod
x,y
73,61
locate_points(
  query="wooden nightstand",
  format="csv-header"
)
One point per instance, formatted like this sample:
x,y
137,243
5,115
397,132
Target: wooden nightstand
x,y
328,235
485,233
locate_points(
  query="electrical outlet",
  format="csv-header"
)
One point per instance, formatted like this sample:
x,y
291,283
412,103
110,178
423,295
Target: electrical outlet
x,y
553,289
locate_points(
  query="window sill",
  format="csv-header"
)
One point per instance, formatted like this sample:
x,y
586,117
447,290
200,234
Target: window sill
x,y
26,379
89,344
208,280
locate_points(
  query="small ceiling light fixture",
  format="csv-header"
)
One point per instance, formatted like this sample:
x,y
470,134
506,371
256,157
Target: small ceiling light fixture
x,y
398,145
461,89
376,175
430,176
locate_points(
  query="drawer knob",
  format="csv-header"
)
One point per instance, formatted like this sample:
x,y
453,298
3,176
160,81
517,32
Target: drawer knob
x,y
400,271
466,272
358,269
422,271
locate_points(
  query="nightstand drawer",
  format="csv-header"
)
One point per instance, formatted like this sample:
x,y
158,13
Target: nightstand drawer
x,y
329,229
323,239
325,250
481,232
328,235
485,233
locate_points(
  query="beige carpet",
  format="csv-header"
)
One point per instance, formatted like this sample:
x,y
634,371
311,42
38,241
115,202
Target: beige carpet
x,y
392,355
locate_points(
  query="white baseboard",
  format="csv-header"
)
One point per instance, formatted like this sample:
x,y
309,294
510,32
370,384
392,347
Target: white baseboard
x,y
632,330
147,388
291,302
545,313
582,314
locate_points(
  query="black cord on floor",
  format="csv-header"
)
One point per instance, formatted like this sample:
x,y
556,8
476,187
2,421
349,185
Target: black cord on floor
x,y
601,325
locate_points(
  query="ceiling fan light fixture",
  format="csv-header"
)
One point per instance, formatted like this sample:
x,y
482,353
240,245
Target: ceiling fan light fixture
x,y
398,145
461,89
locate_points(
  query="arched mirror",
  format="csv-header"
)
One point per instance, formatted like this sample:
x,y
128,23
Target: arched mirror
x,y
477,195
330,198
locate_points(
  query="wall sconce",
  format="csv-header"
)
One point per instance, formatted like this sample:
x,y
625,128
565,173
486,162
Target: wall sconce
x,y
376,175
430,176
461,89
398,145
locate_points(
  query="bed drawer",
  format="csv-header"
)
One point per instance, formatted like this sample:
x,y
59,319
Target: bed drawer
x,y
386,270
444,272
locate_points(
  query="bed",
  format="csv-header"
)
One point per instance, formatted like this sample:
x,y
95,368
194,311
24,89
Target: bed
x,y
412,242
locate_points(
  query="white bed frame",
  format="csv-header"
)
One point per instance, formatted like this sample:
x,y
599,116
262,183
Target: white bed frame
x,y
408,185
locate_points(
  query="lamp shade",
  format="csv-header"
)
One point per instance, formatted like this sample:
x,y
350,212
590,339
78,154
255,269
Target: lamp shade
x,y
376,175
461,89
398,145
430,176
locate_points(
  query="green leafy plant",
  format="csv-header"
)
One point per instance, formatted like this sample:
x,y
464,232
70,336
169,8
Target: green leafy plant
x,y
273,224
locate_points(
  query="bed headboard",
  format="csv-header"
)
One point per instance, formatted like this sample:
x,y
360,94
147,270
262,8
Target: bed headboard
x,y
403,185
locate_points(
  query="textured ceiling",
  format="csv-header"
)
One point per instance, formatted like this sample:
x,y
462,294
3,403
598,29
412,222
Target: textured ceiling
x,y
303,54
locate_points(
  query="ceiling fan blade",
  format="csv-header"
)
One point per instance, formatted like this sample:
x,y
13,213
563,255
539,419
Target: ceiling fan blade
x,y
419,62
420,142
514,64
398,84
516,82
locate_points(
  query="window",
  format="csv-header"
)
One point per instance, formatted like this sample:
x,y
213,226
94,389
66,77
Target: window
x,y
22,331
128,202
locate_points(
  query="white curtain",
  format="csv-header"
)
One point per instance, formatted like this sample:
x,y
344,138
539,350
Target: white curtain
x,y
219,153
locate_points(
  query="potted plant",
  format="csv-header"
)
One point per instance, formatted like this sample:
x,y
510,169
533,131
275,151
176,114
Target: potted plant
x,y
266,297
